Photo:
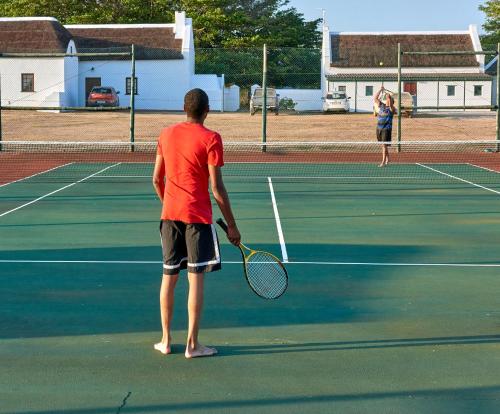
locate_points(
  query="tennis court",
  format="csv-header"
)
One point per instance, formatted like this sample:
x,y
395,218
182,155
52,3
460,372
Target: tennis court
x,y
393,303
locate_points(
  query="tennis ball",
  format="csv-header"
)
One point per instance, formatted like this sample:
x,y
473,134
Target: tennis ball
x,y
381,63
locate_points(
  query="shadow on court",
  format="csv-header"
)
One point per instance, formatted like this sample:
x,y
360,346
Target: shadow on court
x,y
356,345
64,299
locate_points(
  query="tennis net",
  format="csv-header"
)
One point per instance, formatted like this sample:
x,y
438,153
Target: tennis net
x,y
343,162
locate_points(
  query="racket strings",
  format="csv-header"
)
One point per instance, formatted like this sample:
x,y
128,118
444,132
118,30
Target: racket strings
x,y
265,275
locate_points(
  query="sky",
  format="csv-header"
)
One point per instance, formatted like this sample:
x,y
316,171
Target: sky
x,y
392,15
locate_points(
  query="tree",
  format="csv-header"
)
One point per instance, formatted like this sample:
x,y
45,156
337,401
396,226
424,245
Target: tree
x,y
492,25
229,34
217,23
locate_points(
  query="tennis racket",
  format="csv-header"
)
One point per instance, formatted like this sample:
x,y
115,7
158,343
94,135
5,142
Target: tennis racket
x,y
264,272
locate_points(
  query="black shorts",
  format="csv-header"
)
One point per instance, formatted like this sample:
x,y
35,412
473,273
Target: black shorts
x,y
384,135
194,247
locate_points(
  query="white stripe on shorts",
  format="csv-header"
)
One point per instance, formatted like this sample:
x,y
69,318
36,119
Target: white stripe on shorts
x,y
170,267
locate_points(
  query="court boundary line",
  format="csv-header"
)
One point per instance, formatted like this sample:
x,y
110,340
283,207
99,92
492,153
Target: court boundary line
x,y
56,191
483,168
34,175
459,179
281,237
158,262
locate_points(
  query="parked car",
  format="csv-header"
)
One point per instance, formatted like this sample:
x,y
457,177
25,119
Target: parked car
x,y
257,101
103,96
336,102
406,103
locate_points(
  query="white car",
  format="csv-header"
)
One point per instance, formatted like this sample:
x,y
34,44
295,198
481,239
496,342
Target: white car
x,y
336,102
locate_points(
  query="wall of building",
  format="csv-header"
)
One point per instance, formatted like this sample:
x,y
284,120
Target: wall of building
x,y
162,84
305,99
70,78
48,81
427,93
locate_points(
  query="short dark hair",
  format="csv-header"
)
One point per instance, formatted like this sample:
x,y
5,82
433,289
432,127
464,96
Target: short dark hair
x,y
196,102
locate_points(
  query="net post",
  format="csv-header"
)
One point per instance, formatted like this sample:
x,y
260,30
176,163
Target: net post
x,y
132,100
399,97
264,98
498,98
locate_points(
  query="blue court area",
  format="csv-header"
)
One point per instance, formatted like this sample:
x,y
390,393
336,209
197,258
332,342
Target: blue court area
x,y
393,303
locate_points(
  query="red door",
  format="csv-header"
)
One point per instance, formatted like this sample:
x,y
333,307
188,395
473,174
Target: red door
x,y
411,87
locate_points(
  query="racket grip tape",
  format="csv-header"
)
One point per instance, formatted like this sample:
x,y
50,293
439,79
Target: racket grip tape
x,y
223,225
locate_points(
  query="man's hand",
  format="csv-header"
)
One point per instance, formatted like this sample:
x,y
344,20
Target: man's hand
x,y
233,235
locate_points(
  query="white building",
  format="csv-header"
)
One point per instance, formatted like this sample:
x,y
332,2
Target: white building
x,y
165,64
361,62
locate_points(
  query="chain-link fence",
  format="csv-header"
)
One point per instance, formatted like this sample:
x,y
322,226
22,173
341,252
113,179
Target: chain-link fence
x,y
48,97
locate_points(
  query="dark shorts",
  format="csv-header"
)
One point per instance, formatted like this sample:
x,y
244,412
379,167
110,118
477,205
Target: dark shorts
x,y
194,247
384,135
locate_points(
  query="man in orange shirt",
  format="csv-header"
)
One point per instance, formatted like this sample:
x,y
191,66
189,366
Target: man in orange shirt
x,y
190,156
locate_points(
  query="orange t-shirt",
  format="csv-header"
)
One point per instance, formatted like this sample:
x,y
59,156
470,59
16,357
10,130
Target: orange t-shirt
x,y
188,149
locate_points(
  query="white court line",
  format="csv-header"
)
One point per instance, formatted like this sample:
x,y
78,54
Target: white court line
x,y
284,253
34,175
58,190
483,168
141,262
284,177
460,179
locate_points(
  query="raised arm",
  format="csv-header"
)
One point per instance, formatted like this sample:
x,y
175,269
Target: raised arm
x,y
159,177
376,98
220,194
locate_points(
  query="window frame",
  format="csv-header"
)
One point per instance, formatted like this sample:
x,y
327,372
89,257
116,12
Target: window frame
x,y
31,77
128,85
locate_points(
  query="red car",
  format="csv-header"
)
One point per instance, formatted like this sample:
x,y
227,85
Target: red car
x,y
103,96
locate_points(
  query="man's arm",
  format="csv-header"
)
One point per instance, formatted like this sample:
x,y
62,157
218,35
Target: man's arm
x,y
159,176
222,199
376,98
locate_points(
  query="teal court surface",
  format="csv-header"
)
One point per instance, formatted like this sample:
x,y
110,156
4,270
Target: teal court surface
x,y
393,304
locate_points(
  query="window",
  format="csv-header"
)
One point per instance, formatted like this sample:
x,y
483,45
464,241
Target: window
x,y
451,90
27,82
128,83
369,91
478,90
342,88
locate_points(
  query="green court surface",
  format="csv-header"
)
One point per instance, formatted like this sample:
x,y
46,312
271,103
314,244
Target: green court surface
x,y
393,304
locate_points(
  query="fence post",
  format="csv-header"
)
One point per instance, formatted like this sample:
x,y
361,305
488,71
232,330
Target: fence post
x,y
1,136
264,98
132,102
498,97
399,97
465,95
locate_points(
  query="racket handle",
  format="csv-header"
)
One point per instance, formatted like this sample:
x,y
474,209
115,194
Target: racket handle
x,y
223,225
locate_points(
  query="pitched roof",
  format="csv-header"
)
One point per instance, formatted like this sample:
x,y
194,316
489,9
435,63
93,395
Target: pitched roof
x,y
368,50
33,35
151,41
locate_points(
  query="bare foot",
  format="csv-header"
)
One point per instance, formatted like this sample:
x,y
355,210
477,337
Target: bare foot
x,y
163,348
200,351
